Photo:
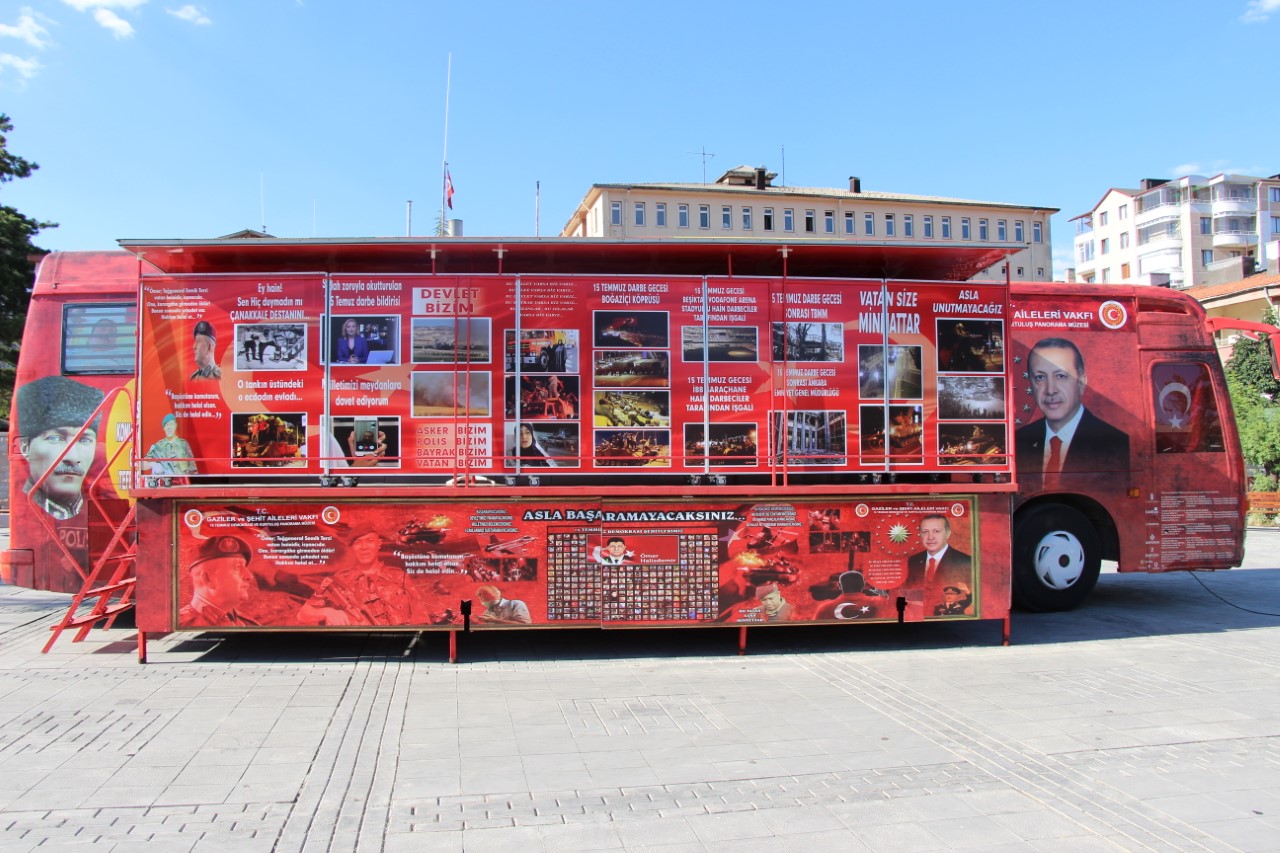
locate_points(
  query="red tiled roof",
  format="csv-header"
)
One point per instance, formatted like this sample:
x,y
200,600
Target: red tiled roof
x,y
1203,292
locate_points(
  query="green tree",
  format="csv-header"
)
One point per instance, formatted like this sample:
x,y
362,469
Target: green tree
x,y
17,265
1255,396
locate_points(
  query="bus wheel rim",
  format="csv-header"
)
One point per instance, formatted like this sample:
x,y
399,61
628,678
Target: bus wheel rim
x,y
1059,559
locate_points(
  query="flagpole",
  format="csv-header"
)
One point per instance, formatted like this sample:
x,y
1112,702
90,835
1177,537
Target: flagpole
x,y
444,169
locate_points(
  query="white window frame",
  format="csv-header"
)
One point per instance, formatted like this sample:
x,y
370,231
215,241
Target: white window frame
x,y
682,215
660,214
615,213
704,217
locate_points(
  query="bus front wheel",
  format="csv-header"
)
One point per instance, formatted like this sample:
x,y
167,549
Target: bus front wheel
x,y
1056,558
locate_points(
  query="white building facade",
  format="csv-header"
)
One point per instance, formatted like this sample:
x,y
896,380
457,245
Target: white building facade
x,y
744,204
1178,233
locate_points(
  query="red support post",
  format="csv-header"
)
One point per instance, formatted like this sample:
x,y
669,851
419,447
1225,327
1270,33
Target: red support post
x,y
742,640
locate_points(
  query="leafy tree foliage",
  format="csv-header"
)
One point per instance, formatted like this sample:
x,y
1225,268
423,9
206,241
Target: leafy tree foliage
x,y
1255,396
17,265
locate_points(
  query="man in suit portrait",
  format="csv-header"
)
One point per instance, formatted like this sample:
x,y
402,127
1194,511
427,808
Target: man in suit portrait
x,y
938,563
1069,438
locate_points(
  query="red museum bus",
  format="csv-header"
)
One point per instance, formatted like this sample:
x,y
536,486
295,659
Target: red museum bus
x,y
567,433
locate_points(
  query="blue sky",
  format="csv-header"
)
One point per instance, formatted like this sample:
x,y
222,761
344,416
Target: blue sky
x,y
155,119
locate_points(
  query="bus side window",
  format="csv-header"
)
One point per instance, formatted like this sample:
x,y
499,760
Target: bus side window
x,y
99,339
1186,412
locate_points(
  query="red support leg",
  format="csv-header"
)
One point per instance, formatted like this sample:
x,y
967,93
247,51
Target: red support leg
x,y
742,640
142,646
453,647
1008,629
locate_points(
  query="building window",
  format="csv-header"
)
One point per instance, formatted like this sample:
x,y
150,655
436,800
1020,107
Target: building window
x,y
1002,231
983,231
1037,232
928,227
1124,241
1123,213
1106,274
888,225
1206,225
704,216
1105,245
639,207
1206,257
946,228
1102,220
869,224
660,213
768,219
1274,194
1019,234
1275,225
1124,272
726,217
746,219
908,225
810,221
788,219
1020,272
615,213
1039,272
850,223
683,213
965,233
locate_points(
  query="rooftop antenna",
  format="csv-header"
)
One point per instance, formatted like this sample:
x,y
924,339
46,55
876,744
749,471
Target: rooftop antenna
x,y
408,218
704,155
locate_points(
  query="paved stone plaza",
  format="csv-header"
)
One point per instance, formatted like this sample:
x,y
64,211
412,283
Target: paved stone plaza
x,y
1147,720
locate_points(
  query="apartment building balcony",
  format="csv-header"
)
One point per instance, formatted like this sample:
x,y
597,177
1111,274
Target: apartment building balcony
x,y
1234,239
1236,204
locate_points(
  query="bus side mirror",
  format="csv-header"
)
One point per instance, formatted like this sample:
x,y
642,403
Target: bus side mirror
x,y
1250,329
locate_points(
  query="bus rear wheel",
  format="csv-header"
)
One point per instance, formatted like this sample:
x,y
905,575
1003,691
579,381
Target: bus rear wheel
x,y
1056,558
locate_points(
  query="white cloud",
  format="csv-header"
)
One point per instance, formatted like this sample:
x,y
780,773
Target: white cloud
x,y
194,14
25,68
28,29
85,5
1182,169
1259,11
119,27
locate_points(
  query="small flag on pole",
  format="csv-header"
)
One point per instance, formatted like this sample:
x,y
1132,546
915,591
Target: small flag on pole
x,y
448,189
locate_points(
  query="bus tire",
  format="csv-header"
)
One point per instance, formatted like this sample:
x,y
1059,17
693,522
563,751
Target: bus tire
x,y
1057,556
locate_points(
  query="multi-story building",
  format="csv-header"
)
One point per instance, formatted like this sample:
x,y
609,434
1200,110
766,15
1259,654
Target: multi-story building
x,y
1178,233
743,203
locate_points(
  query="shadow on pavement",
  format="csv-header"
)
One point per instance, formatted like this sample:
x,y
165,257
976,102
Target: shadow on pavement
x,y
1121,606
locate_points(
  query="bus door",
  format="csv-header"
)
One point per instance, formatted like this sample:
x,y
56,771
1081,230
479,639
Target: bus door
x,y
1194,516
